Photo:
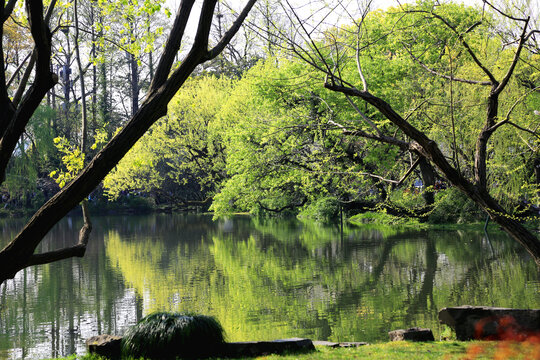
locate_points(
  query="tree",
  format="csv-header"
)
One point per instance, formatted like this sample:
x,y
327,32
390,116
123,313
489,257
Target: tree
x,y
180,160
467,172
19,253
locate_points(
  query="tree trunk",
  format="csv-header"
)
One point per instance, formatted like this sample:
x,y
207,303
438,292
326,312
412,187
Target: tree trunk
x,y
428,177
134,82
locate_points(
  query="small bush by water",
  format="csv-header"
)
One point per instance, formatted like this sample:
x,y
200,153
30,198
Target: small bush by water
x,y
325,210
170,335
455,208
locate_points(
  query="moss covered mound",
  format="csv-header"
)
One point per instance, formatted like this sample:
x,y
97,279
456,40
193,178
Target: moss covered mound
x,y
171,335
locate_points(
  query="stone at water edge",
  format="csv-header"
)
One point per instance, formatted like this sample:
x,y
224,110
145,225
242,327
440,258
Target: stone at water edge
x,y
259,348
331,344
493,323
351,344
105,345
412,334
110,346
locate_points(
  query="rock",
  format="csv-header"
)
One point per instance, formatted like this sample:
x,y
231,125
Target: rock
x,y
110,346
341,344
326,343
352,344
491,323
259,348
105,345
412,334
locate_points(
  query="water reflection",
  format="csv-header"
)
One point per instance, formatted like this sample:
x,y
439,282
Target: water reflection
x,y
261,279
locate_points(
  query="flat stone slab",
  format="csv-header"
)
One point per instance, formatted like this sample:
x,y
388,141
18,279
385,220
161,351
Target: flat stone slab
x,y
105,345
491,323
411,334
259,348
338,344
352,344
110,346
326,343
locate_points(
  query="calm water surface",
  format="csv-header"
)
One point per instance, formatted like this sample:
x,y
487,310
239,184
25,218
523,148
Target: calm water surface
x,y
260,279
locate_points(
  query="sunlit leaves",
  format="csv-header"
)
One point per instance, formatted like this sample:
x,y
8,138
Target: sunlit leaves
x,y
183,148
72,159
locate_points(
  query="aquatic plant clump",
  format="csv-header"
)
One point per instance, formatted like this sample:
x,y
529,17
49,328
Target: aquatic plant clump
x,y
171,335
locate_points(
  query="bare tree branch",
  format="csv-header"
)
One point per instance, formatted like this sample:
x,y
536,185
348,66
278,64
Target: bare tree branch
x,y
173,43
502,13
465,45
16,72
510,71
507,118
77,250
366,119
231,32
475,82
381,138
8,9
24,79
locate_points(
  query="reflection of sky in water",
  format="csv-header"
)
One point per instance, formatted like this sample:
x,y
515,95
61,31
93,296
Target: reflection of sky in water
x,y
261,279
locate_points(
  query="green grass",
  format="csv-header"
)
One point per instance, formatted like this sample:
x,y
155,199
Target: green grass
x,y
446,350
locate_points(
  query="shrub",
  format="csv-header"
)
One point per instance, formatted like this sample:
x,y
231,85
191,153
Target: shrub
x,y
452,206
171,335
325,209
383,218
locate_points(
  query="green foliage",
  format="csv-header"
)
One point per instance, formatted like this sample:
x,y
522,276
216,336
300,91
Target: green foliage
x,y
407,197
73,160
455,208
32,159
182,156
170,335
280,151
383,218
325,209
276,141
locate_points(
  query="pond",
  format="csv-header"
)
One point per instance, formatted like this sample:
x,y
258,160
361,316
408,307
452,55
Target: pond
x,y
262,279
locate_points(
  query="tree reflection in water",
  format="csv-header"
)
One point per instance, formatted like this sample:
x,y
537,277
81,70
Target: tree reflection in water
x,y
261,279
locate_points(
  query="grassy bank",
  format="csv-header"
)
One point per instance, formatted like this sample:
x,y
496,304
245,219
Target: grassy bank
x,y
399,350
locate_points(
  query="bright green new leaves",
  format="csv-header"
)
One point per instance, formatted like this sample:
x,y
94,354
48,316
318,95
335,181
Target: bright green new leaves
x,y
182,156
194,132
137,171
281,152
73,160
